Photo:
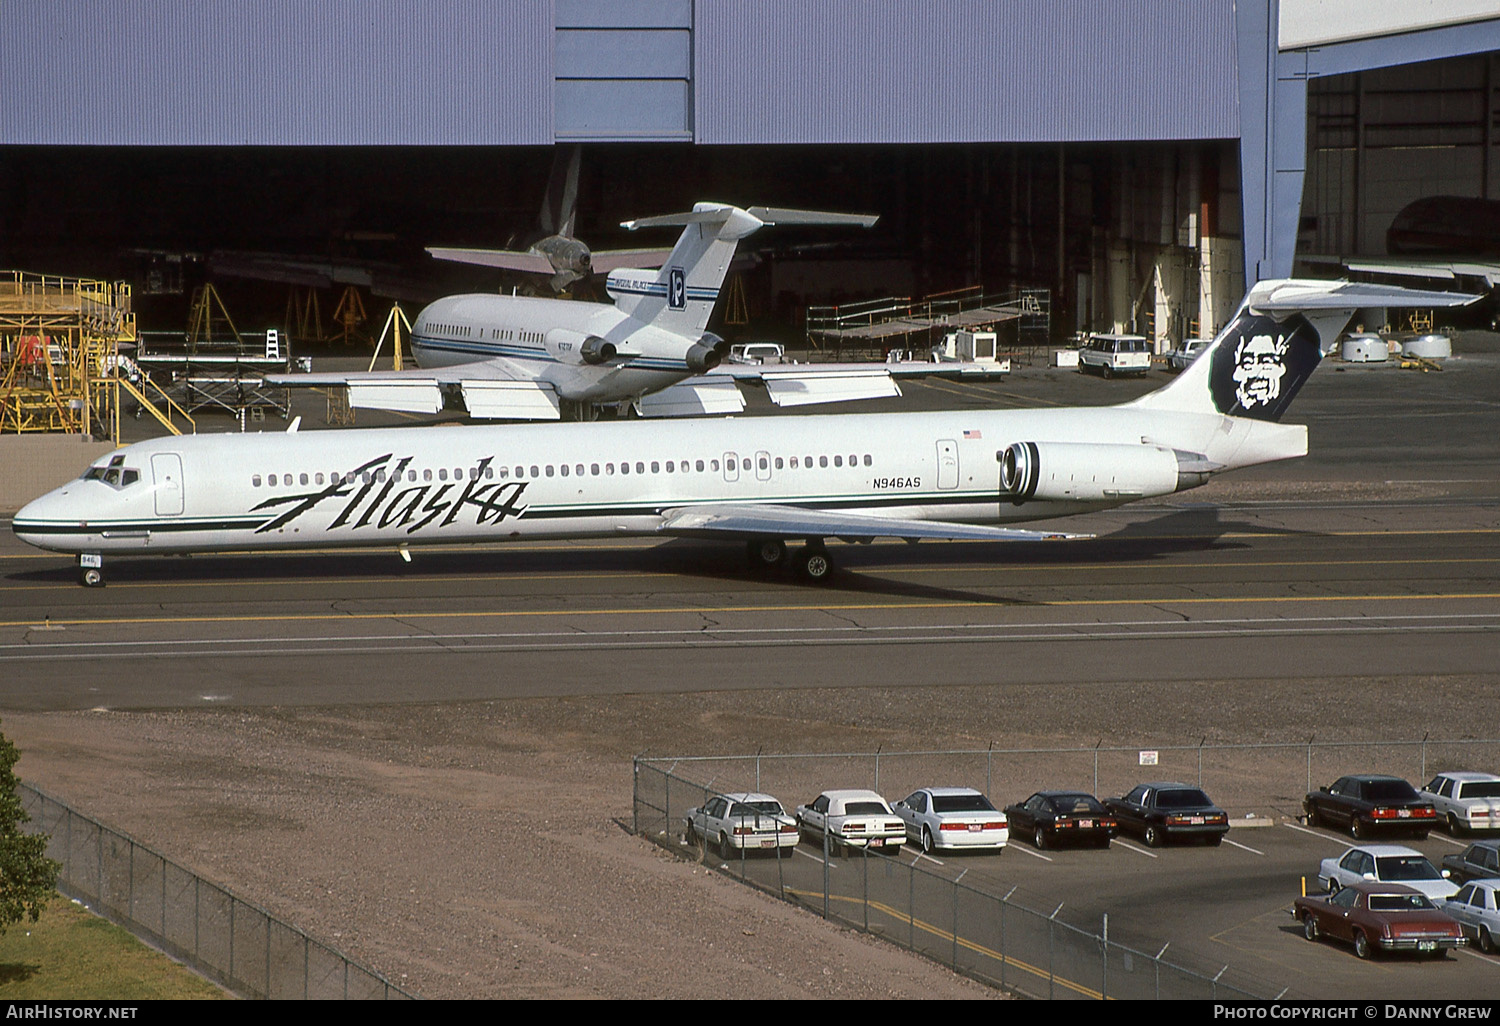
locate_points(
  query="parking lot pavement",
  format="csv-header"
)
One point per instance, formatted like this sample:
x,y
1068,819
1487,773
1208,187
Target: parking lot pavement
x,y
1210,907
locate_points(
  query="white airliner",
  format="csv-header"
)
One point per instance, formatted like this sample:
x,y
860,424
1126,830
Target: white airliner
x,y
760,481
530,358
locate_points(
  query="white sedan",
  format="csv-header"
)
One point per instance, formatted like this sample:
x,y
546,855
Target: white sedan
x,y
1476,906
851,819
1465,801
952,817
742,822
1386,863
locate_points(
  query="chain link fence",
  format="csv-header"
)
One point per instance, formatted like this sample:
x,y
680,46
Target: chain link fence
x,y
240,946
992,937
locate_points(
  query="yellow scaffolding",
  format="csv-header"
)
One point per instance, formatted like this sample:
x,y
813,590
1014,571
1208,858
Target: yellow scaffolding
x,y
59,352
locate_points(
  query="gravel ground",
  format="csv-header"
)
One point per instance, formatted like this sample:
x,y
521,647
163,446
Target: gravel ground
x,y
406,836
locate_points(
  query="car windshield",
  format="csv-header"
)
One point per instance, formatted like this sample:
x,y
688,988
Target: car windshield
x,y
1389,791
1407,867
1399,903
864,809
1480,789
1181,798
961,803
1074,804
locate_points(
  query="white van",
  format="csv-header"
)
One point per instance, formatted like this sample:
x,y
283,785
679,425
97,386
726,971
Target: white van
x,y
1115,354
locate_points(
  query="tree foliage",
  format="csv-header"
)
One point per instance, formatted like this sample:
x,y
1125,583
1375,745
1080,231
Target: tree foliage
x,y
27,876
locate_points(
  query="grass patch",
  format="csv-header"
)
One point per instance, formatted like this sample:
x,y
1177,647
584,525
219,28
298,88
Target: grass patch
x,y
72,954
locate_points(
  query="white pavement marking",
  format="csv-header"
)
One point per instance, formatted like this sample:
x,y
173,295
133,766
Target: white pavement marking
x,y
1343,842
1138,851
1245,847
1028,851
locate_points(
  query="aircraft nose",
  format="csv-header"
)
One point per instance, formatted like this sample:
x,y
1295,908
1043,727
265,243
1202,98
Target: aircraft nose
x,y
45,521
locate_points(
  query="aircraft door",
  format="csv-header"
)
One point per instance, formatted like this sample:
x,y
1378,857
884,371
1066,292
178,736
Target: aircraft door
x,y
731,467
166,469
947,462
763,466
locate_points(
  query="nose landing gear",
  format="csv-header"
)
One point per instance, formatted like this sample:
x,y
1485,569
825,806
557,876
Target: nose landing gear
x,y
91,569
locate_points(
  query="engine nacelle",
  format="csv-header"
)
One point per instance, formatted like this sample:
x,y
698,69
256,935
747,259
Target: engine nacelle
x,y
1087,472
700,358
576,347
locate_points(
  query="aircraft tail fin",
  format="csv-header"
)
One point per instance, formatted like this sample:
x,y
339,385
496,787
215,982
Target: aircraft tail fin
x,y
1284,327
681,296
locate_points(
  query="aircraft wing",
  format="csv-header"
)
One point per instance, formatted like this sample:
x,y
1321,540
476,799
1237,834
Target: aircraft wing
x,y
723,520
606,260
492,389
510,259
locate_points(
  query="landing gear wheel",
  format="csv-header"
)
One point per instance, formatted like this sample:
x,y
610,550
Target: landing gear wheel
x,y
91,578
814,564
766,553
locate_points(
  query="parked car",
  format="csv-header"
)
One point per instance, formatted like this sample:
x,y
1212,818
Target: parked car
x,y
1115,354
952,818
851,819
1369,803
1386,863
1465,801
1179,358
1163,811
1379,917
1479,861
1476,906
743,822
1051,818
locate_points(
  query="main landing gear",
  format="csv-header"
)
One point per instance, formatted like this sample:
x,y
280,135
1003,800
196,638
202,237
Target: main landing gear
x,y
811,562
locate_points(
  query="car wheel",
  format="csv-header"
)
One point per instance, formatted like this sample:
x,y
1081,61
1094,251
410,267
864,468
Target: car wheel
x,y
1356,830
926,841
1486,942
1108,372
1312,816
726,852
1153,837
1039,838
1215,840
1454,828
1361,945
1421,835
1310,926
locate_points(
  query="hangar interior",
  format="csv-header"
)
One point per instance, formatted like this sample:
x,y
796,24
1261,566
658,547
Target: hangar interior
x,y
1141,191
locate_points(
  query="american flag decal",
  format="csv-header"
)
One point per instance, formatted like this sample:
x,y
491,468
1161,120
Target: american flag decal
x,y
973,434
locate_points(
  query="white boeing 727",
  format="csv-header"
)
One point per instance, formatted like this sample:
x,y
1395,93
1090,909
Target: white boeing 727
x,y
530,358
762,481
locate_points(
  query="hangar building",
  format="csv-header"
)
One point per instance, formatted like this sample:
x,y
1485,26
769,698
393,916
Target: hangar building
x,y
1139,158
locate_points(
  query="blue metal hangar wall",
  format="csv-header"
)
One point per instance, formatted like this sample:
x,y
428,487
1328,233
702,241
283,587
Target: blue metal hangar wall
x,y
1142,158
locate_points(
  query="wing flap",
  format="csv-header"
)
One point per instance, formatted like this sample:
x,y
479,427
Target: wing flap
x,y
727,520
410,396
693,398
511,400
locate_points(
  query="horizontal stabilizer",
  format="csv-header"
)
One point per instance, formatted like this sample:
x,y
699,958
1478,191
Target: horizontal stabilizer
x,y
715,214
1301,295
693,399
721,520
510,400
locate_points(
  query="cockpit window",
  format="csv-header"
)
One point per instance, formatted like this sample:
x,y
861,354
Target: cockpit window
x,y
114,473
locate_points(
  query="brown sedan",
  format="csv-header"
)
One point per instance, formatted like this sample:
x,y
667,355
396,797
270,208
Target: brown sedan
x,y
1379,917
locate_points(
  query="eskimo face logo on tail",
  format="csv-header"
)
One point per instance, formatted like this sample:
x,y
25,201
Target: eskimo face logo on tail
x,y
1258,368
